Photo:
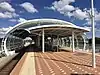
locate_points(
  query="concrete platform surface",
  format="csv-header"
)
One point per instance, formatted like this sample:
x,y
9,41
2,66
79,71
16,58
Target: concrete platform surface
x,y
56,63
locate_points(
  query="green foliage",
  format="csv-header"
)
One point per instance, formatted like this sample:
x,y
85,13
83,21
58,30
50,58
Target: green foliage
x,y
97,40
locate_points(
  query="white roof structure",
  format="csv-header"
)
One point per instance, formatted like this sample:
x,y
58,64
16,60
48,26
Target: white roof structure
x,y
30,25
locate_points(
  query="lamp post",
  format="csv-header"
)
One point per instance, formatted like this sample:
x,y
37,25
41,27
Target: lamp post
x,y
93,35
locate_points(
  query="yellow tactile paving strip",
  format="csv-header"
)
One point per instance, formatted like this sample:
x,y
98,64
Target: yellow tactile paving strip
x,y
28,67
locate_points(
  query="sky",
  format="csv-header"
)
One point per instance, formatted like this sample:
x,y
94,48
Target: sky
x,y
77,12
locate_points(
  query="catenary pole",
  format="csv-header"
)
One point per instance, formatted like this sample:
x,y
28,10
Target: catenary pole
x,y
93,35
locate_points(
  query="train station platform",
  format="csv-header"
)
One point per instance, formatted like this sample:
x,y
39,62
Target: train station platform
x,y
39,43
56,63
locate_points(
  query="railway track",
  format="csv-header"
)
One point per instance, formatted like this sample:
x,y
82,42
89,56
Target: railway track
x,y
10,65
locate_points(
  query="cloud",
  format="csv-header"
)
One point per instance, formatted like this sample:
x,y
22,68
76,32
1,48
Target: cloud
x,y
65,8
7,11
13,20
6,6
21,20
87,23
3,31
69,14
21,11
8,15
62,6
5,1
2,35
97,17
80,14
29,7
17,20
50,8
96,14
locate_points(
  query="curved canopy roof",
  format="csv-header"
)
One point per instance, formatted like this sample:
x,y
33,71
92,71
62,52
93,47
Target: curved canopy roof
x,y
45,23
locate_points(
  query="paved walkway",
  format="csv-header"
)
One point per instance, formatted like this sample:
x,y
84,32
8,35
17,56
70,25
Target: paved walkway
x,y
57,63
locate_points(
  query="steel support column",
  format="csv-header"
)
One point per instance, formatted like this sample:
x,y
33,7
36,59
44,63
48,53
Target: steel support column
x,y
57,43
84,47
77,43
38,41
43,40
70,42
73,46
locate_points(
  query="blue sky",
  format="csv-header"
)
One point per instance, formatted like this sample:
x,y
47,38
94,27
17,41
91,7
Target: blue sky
x,y
76,11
